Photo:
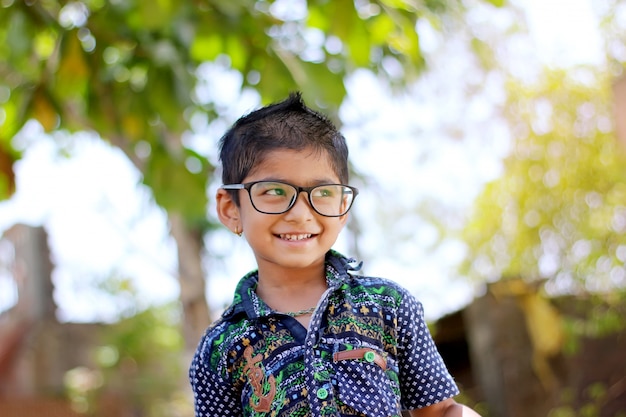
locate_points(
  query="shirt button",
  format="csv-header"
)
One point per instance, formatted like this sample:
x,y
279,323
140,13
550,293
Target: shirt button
x,y
369,356
322,393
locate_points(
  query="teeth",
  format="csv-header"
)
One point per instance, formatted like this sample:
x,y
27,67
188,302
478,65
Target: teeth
x,y
295,237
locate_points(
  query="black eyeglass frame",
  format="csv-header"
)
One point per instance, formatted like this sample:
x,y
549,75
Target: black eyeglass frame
x,y
246,186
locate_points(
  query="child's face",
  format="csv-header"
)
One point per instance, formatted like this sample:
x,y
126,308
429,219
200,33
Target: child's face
x,y
299,238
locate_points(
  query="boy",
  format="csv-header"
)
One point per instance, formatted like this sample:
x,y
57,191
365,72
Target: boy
x,y
306,335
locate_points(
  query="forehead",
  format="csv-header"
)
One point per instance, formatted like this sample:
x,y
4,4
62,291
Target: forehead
x,y
301,167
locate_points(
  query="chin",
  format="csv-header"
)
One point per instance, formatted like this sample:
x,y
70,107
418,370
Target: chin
x,y
298,262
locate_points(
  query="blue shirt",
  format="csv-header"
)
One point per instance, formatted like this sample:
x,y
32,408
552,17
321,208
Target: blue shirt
x,y
367,352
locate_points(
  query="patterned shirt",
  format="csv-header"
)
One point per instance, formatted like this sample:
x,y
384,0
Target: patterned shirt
x,y
367,352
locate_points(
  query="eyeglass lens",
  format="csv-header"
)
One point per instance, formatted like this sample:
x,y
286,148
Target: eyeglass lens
x,y
276,197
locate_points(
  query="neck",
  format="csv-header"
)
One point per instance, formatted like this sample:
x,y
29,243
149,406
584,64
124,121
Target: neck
x,y
285,279
290,293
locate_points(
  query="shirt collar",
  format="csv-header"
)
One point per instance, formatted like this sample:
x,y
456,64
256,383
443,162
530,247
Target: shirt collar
x,y
339,269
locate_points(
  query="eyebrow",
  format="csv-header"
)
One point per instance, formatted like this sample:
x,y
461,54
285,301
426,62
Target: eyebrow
x,y
315,181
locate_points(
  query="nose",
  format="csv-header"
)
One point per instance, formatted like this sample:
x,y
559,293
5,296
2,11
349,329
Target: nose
x,y
301,207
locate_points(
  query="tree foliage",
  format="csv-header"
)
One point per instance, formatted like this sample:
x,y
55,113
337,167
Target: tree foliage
x,y
555,224
128,69
135,73
558,211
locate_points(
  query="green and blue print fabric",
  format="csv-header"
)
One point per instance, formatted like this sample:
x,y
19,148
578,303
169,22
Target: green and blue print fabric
x,y
367,352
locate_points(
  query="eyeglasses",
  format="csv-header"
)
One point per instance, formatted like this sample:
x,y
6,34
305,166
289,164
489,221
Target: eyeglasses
x,y
275,197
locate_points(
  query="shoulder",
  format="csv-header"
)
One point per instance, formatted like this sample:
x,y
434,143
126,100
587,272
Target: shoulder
x,y
347,271
382,288
218,339
233,321
370,282
350,280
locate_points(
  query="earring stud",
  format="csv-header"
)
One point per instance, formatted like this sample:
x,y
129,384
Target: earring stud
x,y
237,231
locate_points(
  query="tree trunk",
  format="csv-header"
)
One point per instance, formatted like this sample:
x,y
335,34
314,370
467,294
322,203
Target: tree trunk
x,y
191,277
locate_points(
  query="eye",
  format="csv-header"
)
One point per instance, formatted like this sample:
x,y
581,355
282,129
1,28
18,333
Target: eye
x,y
276,191
323,192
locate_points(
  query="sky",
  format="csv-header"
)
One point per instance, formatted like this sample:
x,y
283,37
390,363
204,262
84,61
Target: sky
x,y
568,26
99,220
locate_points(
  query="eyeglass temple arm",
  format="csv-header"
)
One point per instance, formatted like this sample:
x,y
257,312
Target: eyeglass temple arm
x,y
233,186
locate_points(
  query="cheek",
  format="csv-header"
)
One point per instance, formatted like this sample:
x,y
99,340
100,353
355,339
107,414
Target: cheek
x,y
342,220
247,212
337,224
252,219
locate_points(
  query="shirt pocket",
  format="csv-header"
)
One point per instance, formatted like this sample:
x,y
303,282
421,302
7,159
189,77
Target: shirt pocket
x,y
362,382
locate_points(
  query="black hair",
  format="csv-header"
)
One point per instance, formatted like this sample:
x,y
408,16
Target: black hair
x,y
288,124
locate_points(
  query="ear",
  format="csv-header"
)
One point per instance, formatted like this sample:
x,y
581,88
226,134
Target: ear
x,y
227,210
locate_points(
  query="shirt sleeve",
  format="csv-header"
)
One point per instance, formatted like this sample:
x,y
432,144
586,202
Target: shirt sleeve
x,y
212,395
424,378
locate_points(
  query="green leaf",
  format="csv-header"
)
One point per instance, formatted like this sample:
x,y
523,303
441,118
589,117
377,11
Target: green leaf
x,y
7,175
170,179
152,14
380,27
206,47
73,72
237,52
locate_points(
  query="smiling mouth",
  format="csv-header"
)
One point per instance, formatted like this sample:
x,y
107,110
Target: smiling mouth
x,y
294,238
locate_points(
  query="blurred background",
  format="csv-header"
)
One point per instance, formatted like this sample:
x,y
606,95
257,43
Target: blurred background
x,y
487,138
